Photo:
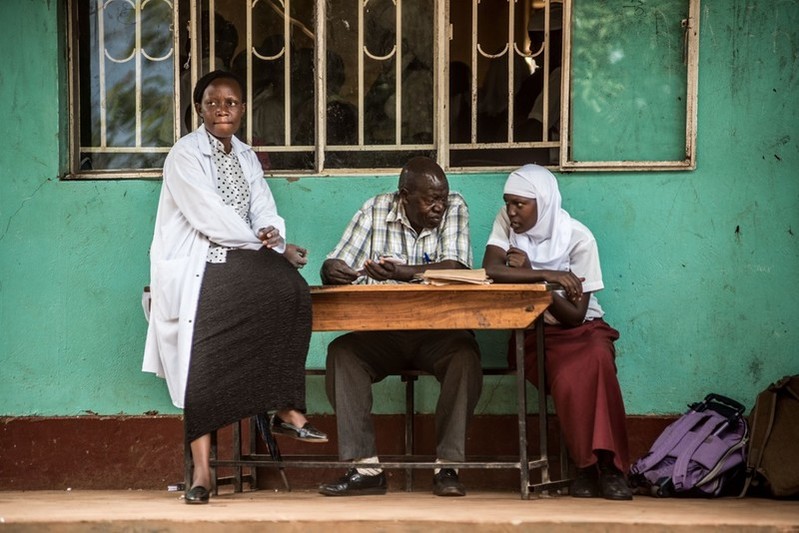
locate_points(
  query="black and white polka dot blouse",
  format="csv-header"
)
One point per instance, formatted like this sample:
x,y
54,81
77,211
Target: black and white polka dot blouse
x,y
232,187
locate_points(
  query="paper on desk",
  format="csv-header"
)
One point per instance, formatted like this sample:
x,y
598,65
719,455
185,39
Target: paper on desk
x,y
449,276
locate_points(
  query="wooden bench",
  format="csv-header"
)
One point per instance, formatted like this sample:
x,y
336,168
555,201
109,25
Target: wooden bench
x,y
408,377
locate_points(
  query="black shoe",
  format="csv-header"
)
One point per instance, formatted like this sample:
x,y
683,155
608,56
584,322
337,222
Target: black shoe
x,y
197,494
355,484
446,483
306,433
585,483
613,486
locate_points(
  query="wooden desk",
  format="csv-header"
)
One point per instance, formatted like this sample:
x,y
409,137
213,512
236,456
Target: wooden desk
x,y
417,306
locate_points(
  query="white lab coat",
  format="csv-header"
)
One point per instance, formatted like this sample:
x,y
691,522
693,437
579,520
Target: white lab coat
x,y
191,215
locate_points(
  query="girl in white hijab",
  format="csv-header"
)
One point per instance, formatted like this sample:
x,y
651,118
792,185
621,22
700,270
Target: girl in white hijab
x,y
534,240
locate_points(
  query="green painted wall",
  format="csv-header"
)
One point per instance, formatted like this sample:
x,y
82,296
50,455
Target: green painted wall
x,y
701,268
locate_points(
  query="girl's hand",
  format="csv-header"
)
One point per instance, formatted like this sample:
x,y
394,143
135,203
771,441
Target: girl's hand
x,y
516,258
572,285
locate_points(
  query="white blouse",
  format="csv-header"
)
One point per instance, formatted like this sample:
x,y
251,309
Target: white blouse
x,y
583,260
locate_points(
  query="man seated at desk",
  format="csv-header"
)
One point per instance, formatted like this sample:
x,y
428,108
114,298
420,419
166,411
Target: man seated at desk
x,y
390,239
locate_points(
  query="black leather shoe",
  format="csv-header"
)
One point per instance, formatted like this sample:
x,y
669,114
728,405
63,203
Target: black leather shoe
x,y
446,483
585,483
355,484
197,494
613,486
306,433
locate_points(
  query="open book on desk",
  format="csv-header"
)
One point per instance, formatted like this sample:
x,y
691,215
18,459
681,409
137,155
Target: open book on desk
x,y
451,276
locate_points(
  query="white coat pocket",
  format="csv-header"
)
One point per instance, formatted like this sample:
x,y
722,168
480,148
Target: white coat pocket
x,y
170,276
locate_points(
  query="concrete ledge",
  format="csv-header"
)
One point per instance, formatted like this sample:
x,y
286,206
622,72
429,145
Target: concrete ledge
x,y
75,511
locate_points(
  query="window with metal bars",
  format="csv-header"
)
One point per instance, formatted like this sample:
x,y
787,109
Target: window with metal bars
x,y
353,86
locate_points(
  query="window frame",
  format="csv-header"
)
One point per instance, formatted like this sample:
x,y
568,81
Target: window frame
x,y
566,164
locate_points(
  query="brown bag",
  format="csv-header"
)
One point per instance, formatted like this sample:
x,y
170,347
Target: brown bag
x,y
773,457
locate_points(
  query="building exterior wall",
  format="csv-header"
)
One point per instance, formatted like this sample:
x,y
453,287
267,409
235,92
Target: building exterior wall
x,y
700,267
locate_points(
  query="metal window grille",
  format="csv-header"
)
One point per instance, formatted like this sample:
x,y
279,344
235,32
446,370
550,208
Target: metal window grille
x,y
333,86
123,91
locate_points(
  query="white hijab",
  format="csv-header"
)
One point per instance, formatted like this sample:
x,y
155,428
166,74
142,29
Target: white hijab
x,y
547,242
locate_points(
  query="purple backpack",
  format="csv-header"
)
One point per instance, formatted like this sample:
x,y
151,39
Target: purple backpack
x,y
700,454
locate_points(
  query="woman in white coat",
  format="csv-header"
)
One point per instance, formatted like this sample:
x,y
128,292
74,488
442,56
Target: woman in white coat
x,y
230,321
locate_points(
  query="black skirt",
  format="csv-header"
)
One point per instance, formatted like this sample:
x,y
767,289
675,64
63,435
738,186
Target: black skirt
x,y
251,337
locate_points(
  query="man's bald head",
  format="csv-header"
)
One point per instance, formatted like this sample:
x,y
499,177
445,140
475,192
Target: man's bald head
x,y
420,170
424,192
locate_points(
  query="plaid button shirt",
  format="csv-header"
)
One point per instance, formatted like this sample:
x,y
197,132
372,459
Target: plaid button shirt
x,y
381,228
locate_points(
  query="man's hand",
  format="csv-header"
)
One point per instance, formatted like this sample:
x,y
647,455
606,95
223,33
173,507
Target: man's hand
x,y
381,270
296,255
270,237
337,272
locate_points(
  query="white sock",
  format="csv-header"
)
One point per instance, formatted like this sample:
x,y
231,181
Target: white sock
x,y
368,471
443,461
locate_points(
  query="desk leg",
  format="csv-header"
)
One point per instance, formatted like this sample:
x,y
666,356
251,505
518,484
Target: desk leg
x,y
521,402
410,414
542,400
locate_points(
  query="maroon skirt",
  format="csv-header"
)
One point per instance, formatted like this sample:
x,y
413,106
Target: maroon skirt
x,y
581,378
